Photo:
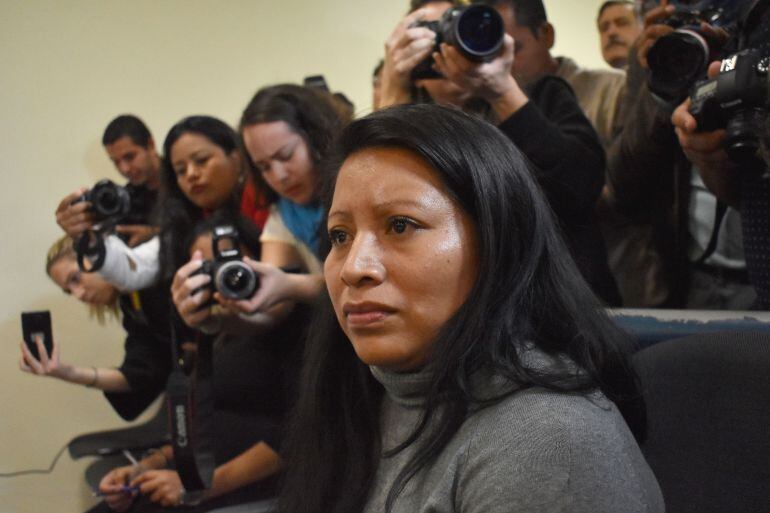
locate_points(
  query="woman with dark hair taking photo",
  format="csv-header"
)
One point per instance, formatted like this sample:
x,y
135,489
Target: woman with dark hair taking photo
x,y
203,172
252,382
287,131
462,364
215,178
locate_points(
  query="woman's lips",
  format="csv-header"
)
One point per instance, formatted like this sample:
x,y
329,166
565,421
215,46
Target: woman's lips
x,y
365,314
197,189
292,191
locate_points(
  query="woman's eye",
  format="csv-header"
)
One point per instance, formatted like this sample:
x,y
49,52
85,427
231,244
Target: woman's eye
x,y
200,161
337,237
284,157
399,225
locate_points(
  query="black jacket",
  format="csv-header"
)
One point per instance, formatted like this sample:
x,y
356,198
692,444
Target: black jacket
x,y
568,162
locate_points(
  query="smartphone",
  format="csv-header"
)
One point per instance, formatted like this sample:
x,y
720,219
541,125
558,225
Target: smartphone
x,y
37,323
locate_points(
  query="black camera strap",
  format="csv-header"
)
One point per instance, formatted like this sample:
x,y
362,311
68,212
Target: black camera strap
x,y
90,244
191,411
719,215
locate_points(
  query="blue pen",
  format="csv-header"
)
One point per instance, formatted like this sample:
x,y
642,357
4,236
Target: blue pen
x,y
128,490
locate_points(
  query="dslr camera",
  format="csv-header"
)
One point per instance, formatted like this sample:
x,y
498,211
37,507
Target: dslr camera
x,y
109,201
230,276
736,100
679,59
477,31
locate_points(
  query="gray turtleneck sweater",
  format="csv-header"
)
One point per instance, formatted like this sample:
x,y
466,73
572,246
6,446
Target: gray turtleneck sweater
x,y
536,451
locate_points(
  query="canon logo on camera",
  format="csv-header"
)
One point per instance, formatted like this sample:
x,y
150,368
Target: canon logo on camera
x,y
181,425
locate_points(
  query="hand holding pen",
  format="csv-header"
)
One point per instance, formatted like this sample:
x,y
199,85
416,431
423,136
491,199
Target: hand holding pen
x,y
115,488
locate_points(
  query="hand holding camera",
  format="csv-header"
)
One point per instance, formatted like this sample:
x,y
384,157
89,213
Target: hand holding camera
x,y
226,277
75,217
491,80
191,293
654,29
275,286
474,32
706,149
405,48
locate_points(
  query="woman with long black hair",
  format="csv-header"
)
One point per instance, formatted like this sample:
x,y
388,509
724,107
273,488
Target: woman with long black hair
x,y
252,381
462,363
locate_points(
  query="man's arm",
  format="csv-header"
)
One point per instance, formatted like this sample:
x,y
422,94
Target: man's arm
x,y
548,126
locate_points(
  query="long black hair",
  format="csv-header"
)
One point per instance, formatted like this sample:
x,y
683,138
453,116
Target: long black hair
x,y
528,293
310,113
177,213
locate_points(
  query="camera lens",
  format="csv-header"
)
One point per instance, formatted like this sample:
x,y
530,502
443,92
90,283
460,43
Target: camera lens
x,y
107,201
236,280
676,62
477,31
742,142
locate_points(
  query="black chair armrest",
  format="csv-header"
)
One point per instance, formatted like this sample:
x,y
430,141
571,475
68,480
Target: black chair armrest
x,y
142,437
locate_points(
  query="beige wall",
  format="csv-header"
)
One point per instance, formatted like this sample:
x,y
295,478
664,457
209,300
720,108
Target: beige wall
x,y
66,68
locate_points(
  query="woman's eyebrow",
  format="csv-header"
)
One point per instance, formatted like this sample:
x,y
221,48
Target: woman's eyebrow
x,y
343,214
284,147
386,206
198,153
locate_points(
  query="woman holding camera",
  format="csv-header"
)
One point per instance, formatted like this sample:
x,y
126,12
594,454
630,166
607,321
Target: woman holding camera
x,y
225,185
252,379
287,131
461,364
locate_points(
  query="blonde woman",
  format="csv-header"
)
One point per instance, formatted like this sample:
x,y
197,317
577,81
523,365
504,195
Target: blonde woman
x,y
131,387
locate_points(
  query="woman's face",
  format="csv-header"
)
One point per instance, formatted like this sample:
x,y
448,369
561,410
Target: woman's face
x,y
283,158
87,287
403,256
204,172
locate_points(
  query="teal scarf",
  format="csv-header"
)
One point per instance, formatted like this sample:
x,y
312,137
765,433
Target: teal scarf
x,y
302,220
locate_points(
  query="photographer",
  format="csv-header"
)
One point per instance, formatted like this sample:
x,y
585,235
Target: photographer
x,y
131,148
745,185
536,111
141,377
651,181
253,380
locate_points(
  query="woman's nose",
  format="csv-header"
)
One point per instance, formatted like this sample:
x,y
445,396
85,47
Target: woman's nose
x,y
280,173
79,292
192,172
363,263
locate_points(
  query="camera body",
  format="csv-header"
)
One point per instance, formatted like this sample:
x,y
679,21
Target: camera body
x,y
736,100
477,31
230,276
109,201
679,59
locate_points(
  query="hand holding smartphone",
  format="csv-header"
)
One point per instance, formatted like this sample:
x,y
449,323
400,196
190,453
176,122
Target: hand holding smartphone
x,y
37,324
